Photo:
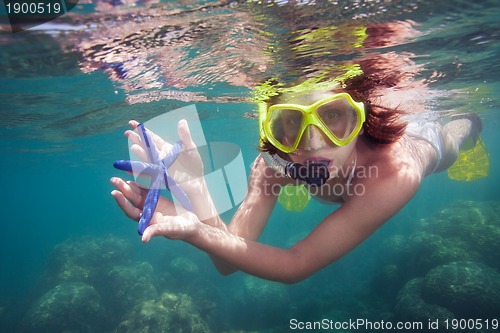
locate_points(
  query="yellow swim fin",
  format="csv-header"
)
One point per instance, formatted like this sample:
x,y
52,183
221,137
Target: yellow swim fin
x,y
294,198
471,164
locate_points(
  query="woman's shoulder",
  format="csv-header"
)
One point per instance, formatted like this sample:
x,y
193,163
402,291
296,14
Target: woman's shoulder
x,y
398,159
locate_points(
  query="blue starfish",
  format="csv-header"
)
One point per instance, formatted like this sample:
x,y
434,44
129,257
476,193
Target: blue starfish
x,y
157,170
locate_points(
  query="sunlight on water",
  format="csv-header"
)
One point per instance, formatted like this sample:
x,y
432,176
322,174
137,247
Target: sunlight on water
x,y
219,51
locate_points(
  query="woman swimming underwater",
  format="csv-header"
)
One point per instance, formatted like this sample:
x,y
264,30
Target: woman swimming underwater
x,y
321,138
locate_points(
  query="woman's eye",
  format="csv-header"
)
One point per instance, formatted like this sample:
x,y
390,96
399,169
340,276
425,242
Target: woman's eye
x,y
293,120
330,114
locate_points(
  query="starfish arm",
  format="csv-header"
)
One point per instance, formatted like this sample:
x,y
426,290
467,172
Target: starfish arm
x,y
150,204
124,165
157,170
137,167
178,193
173,154
149,144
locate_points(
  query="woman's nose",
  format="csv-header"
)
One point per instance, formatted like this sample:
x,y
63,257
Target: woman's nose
x,y
312,139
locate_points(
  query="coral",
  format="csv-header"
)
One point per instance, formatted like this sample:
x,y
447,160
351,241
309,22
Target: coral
x,y
123,291
169,313
246,306
468,289
103,264
464,231
85,259
125,286
456,251
411,306
429,250
462,289
69,307
472,227
183,265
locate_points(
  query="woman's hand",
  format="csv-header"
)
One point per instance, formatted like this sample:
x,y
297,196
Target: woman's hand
x,y
169,220
187,170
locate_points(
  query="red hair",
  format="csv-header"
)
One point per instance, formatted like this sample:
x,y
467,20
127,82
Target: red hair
x,y
383,73
383,124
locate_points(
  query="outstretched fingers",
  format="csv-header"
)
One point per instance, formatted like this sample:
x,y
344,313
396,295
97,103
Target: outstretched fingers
x,y
190,160
138,147
132,134
131,211
154,229
172,227
185,135
129,196
133,124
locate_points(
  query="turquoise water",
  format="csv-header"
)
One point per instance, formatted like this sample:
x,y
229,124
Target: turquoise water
x,y
66,96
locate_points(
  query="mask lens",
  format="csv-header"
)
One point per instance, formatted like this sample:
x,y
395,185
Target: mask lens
x,y
339,116
285,125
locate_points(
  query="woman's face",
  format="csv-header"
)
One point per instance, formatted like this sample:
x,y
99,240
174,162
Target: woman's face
x,y
315,145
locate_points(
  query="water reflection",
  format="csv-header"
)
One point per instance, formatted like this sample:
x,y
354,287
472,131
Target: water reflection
x,y
227,47
219,51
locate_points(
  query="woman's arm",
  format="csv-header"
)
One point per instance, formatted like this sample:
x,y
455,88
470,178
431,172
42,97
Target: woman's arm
x,y
249,220
235,246
335,236
254,212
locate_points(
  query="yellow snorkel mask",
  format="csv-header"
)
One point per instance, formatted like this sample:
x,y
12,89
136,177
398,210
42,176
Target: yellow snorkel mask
x,y
341,106
338,116
349,114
